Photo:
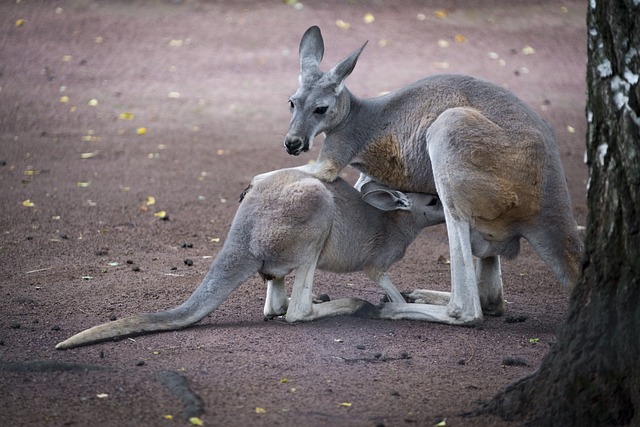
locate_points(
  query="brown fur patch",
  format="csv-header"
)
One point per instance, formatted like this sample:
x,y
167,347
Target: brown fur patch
x,y
383,159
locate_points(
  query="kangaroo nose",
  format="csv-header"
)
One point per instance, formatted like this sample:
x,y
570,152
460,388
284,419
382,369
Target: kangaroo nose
x,y
294,145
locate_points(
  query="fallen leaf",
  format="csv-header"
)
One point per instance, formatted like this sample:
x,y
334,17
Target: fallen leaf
x,y
161,215
93,102
83,184
284,380
125,116
440,13
141,131
443,43
338,340
528,50
113,264
176,43
368,18
102,395
261,410
442,423
215,239
459,38
345,404
64,99
196,421
66,58
28,204
88,155
342,24
168,417
20,22
534,340
151,201
571,129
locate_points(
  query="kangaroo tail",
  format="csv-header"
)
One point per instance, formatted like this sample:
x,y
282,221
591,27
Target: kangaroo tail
x,y
224,276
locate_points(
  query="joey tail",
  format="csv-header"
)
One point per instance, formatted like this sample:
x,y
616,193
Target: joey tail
x,y
225,275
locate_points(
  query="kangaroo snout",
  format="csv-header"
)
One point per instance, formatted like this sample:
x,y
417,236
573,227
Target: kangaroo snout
x,y
295,145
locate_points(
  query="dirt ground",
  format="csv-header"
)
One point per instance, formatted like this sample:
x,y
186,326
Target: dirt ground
x,y
113,112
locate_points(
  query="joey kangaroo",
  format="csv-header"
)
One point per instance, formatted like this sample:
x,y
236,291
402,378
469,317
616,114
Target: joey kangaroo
x,y
293,221
493,162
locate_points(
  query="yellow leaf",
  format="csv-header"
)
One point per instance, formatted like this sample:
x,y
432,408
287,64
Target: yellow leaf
x,y
442,423
64,99
88,155
161,214
460,38
284,380
345,404
571,129
368,18
66,58
260,410
440,13
83,184
215,239
28,204
141,131
168,417
196,421
151,200
20,22
125,116
342,24
93,102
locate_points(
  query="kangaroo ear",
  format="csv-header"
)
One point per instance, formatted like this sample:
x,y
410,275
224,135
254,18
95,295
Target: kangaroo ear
x,y
342,70
387,200
311,49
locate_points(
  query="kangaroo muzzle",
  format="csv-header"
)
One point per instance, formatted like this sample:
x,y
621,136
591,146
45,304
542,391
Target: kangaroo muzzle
x,y
295,145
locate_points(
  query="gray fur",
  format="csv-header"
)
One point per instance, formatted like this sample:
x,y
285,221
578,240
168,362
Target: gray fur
x,y
492,160
293,221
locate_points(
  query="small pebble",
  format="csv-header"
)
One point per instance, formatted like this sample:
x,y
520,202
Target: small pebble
x,y
361,347
140,363
188,262
113,317
135,268
55,328
15,325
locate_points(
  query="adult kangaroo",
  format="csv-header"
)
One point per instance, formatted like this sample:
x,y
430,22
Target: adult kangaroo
x,y
293,221
492,160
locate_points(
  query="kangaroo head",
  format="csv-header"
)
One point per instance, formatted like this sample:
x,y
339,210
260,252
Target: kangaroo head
x,y
426,209
320,103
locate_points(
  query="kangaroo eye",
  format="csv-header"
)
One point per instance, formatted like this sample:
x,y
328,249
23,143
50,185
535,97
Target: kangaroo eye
x,y
320,110
291,104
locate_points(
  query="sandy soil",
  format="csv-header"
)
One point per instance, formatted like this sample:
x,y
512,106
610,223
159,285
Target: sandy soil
x,y
106,104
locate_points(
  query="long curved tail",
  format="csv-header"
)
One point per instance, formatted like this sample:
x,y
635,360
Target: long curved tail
x,y
227,272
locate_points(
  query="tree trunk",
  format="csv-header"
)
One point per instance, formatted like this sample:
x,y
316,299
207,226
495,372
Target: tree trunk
x,y
592,375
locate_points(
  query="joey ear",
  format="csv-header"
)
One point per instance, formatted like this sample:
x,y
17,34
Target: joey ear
x,y
344,68
387,200
311,49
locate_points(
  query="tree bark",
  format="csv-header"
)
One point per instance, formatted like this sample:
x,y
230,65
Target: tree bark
x,y
592,375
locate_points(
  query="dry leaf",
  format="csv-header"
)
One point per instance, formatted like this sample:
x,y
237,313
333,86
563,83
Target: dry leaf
x,y
64,99
88,155
151,201
28,204
342,24
528,50
460,38
196,421
93,102
83,184
261,410
20,22
368,18
345,404
141,131
440,13
168,417
571,129
125,116
161,215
